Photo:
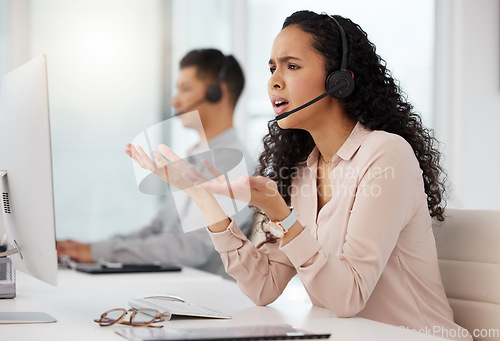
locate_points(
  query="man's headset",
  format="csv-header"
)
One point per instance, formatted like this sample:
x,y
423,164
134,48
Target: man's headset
x,y
214,91
339,84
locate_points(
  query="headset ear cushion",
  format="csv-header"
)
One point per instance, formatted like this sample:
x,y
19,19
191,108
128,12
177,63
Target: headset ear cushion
x,y
337,78
214,93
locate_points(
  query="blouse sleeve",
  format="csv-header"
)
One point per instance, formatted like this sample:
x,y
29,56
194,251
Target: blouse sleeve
x,y
262,273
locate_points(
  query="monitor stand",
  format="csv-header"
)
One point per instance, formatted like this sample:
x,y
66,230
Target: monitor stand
x,y
8,291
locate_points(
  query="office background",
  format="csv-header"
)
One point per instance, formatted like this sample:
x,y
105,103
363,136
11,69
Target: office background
x,y
113,64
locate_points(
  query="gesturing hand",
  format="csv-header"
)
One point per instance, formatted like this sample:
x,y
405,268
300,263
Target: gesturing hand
x,y
169,167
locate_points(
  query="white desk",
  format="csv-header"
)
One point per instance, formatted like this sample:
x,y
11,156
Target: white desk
x,y
79,298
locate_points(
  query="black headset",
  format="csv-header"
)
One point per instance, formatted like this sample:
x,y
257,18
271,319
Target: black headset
x,y
214,92
339,84
338,77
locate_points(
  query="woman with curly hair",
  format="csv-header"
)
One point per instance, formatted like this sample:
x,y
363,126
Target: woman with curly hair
x,y
349,185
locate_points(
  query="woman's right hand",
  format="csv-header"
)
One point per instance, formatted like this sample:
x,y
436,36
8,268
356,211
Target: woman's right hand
x,y
179,173
176,171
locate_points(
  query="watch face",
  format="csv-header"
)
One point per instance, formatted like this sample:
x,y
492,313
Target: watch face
x,y
276,230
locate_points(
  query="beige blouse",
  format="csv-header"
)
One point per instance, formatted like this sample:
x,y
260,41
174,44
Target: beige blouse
x,y
369,252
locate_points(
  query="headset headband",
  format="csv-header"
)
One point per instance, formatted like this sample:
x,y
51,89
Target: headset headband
x,y
345,48
223,69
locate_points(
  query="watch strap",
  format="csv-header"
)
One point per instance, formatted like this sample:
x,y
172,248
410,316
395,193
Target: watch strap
x,y
290,220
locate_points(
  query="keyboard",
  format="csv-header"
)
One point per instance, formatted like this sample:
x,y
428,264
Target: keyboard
x,y
170,305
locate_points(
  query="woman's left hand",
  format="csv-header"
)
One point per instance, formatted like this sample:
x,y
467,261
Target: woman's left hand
x,y
256,190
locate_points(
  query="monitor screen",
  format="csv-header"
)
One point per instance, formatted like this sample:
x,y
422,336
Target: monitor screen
x,y
27,203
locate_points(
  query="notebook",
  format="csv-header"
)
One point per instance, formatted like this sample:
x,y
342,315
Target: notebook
x,y
243,333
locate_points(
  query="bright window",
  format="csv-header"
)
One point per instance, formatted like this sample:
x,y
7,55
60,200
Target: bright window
x,y
104,61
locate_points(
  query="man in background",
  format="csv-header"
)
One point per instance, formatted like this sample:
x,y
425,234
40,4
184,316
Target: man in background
x,y
210,83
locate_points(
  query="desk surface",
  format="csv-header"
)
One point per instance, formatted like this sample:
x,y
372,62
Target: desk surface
x,y
79,298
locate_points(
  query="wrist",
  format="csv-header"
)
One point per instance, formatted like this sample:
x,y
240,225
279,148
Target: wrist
x,y
293,232
215,218
86,253
278,213
202,198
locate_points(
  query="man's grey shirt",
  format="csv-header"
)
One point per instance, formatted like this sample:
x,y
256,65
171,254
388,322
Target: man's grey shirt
x,y
164,240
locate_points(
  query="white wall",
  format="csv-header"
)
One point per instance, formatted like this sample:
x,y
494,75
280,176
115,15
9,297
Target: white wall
x,y
467,99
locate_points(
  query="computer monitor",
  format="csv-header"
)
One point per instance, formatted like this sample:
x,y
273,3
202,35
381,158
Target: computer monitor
x,y
26,171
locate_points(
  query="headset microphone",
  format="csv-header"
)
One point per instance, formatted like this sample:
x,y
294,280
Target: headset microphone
x,y
329,92
191,107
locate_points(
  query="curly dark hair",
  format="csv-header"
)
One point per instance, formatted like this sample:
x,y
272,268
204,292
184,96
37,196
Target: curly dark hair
x,y
377,103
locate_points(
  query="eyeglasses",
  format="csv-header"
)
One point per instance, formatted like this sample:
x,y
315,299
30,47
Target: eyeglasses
x,y
138,318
